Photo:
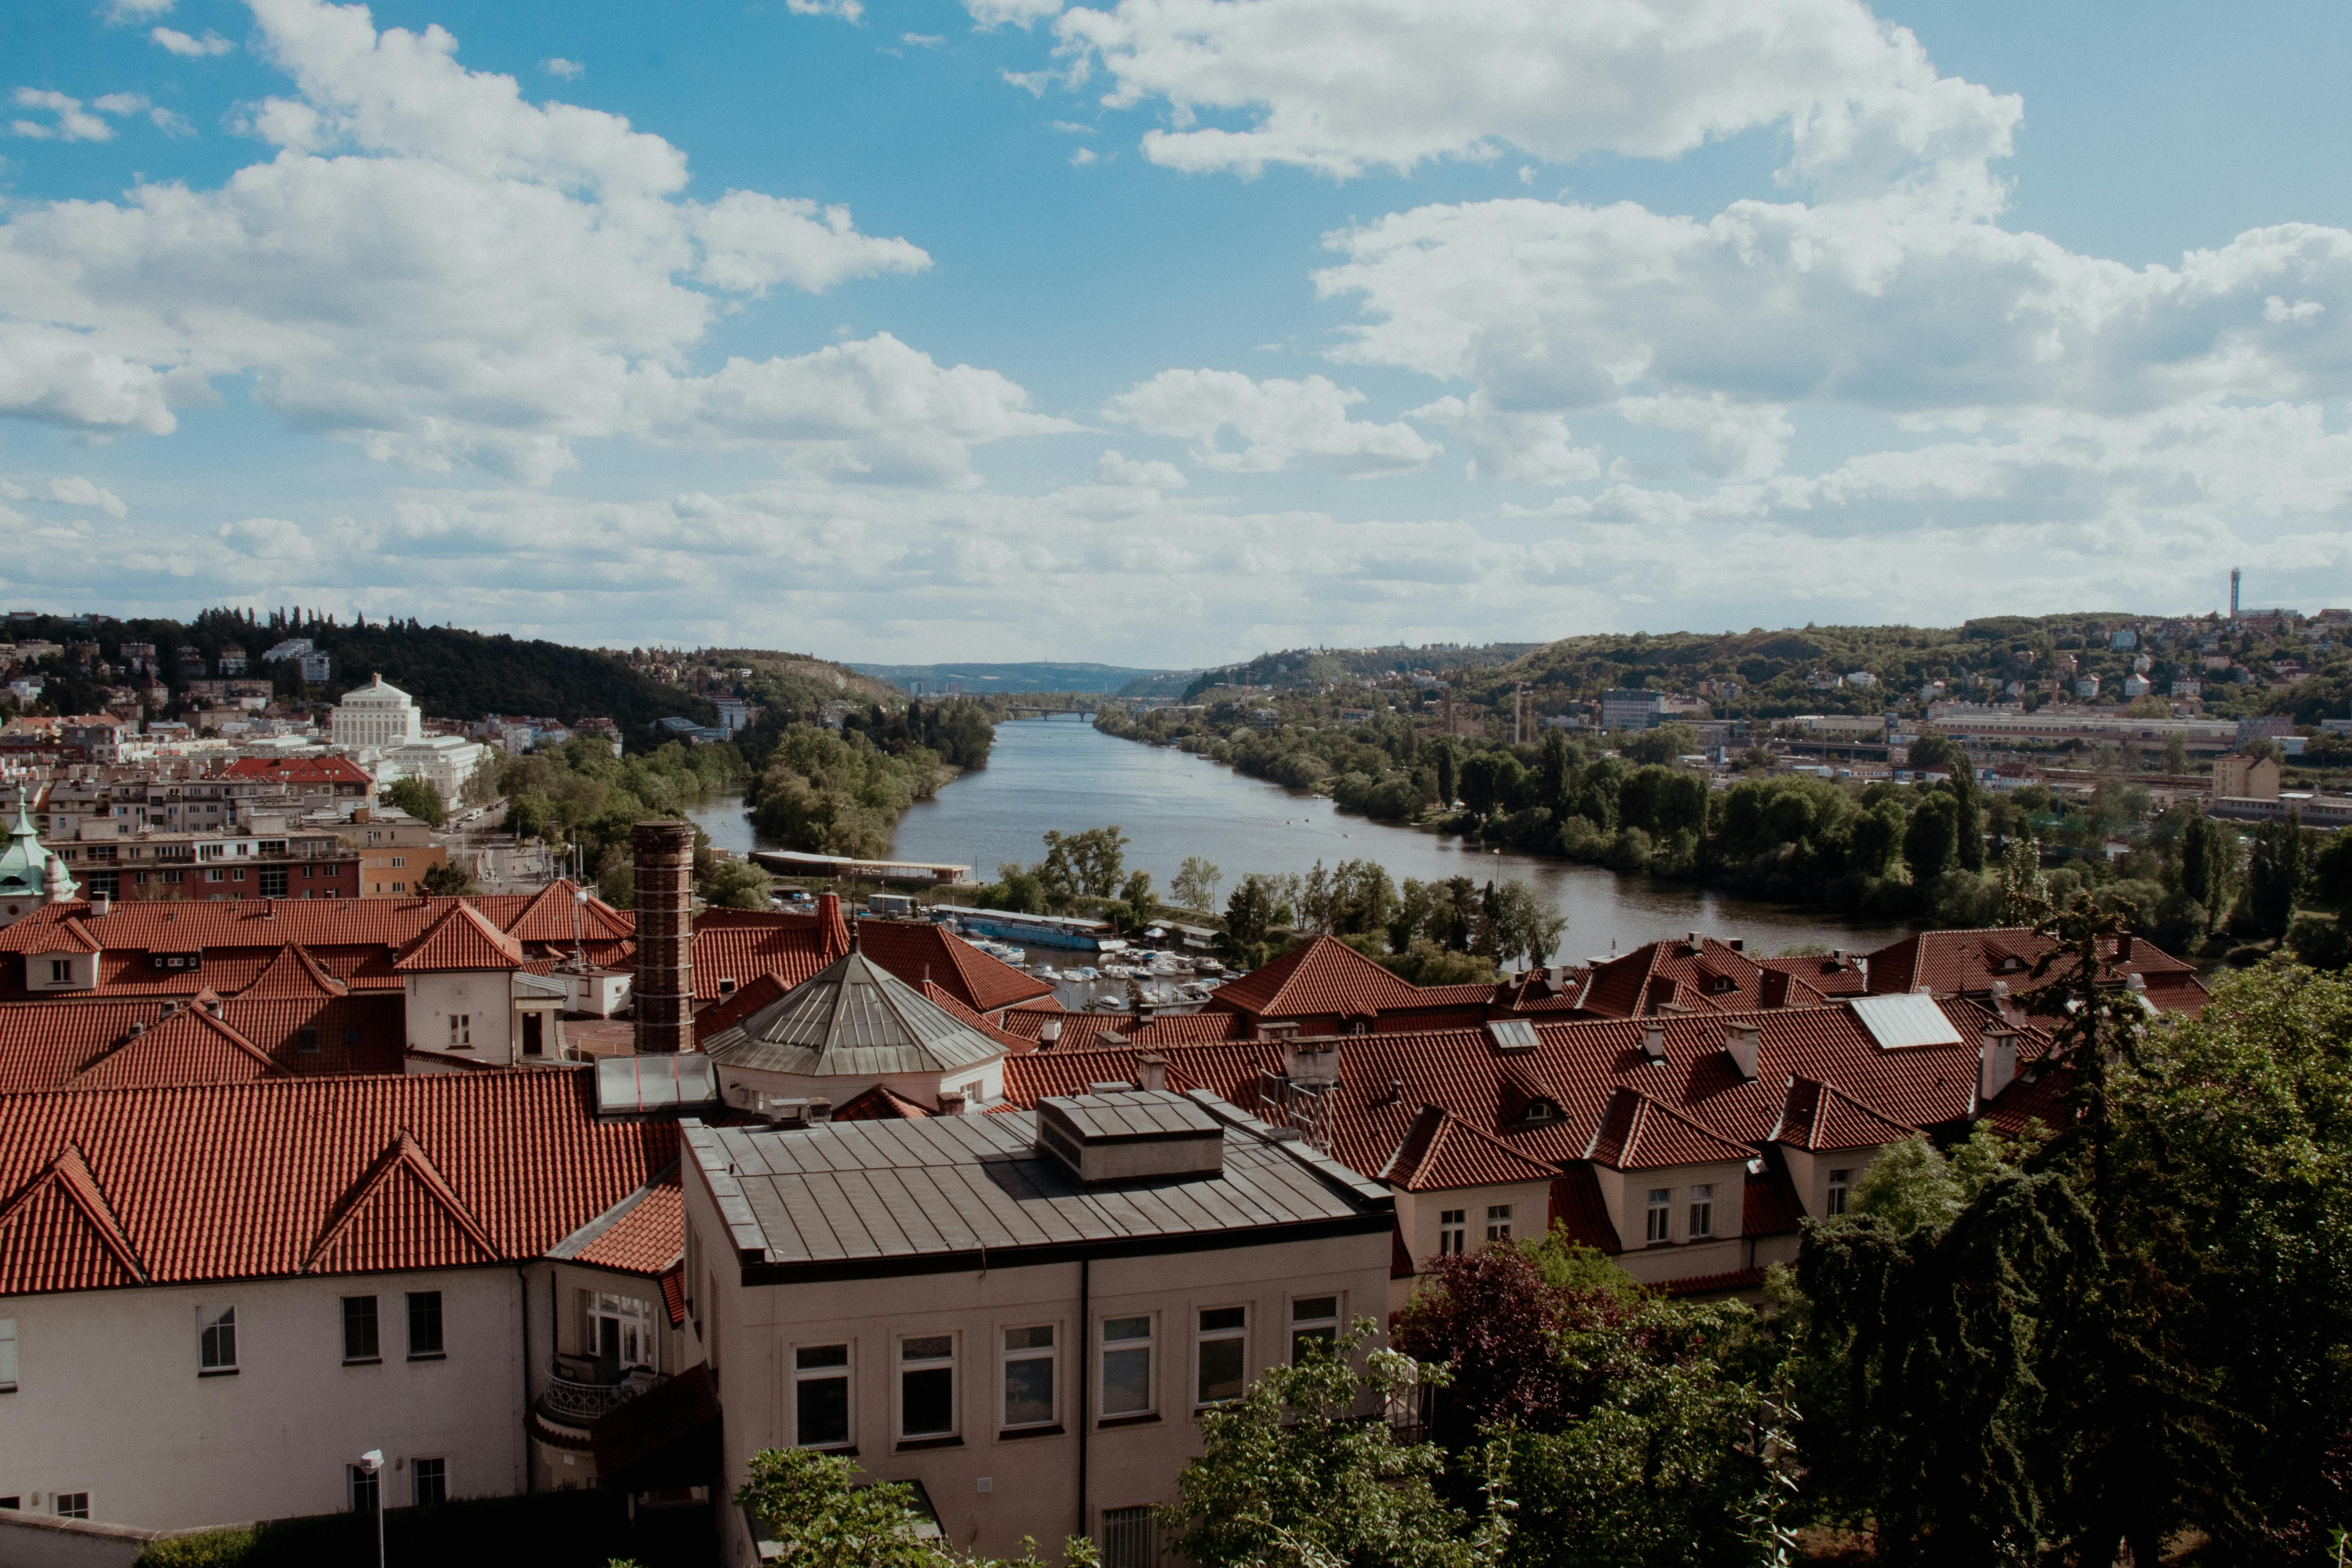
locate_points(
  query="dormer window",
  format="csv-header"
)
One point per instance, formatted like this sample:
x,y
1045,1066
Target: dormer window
x,y
1539,1111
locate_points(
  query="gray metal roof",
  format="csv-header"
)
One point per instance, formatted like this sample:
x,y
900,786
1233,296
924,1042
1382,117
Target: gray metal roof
x,y
852,1019
1904,1019
849,1198
655,1082
1131,1113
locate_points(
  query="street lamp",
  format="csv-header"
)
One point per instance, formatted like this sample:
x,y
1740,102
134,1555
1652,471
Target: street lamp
x,y
372,1465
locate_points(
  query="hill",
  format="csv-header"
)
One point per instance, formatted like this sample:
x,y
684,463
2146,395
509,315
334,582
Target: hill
x,y
999,679
796,683
1312,668
451,672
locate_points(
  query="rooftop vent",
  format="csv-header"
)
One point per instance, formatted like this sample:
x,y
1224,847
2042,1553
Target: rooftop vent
x,y
726,986
1050,1033
1313,1063
1130,1135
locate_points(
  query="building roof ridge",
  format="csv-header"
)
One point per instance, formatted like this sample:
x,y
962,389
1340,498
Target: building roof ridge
x,y
403,1155
68,1173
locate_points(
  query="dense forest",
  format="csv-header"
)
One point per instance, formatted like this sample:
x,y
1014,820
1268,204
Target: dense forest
x,y
843,791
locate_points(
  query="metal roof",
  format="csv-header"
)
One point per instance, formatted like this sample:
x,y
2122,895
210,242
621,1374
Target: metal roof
x,y
624,1084
852,1019
1912,1019
843,1199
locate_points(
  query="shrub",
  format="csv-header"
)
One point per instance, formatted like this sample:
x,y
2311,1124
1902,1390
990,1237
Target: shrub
x,y
213,1549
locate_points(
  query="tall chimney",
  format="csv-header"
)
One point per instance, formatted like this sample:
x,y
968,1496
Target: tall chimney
x,y
662,994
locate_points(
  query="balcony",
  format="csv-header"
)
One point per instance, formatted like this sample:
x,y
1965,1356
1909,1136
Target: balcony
x,y
579,1389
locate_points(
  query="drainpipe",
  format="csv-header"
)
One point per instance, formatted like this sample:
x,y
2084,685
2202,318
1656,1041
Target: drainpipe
x,y
1086,1392
530,1469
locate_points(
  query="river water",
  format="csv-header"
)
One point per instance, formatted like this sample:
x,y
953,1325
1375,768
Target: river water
x,y
1064,773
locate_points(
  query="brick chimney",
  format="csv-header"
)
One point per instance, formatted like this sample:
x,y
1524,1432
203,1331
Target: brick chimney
x,y
663,991
835,929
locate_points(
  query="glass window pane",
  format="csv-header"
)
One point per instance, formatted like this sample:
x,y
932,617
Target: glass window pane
x,y
1127,1328
935,1347
823,1355
425,1322
1222,1370
1037,1339
1029,1391
359,1328
1309,1308
823,1412
1221,1318
1127,1379
927,1402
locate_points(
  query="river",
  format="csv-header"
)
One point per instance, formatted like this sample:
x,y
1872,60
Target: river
x,y
1064,773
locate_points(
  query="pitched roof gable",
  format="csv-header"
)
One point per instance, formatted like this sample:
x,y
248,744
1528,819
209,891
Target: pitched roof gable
x,y
60,1234
1820,1117
461,939
1441,1151
1324,976
189,1047
548,915
292,972
1637,1133
402,1214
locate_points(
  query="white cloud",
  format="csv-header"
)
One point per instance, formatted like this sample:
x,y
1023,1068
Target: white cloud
x,y
186,48
1339,88
73,122
1017,13
121,103
1114,469
1084,156
847,10
1072,128
439,270
1531,449
1276,421
79,491
923,40
169,123
125,11
557,66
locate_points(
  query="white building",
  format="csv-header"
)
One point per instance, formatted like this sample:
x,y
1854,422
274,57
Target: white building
x,y
377,715
444,762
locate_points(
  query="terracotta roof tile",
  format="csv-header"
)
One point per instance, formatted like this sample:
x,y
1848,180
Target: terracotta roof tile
x,y
1443,1150
463,937
189,1046
1817,1117
1769,1206
1322,977
272,1178
1637,1133
1712,1284
1577,1204
1967,963
58,1233
298,770
293,975
43,1045
880,1103
648,1236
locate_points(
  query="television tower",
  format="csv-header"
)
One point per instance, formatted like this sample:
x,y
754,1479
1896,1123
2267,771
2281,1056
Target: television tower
x,y
2233,594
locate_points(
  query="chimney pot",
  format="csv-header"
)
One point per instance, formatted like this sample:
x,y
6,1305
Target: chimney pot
x,y
1741,1043
950,1102
1151,1072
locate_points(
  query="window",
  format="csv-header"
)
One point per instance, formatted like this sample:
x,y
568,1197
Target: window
x,y
1659,1225
1224,1353
1126,1366
61,971
620,1330
1840,1182
400,861
461,1031
238,875
432,1481
1126,1538
821,1396
360,1343
107,882
927,1386
212,873
8,1356
1452,1231
423,1325
1702,1211
1499,1221
362,1487
72,1505
350,1037
273,882
306,1038
215,1339
1314,1320
1029,1376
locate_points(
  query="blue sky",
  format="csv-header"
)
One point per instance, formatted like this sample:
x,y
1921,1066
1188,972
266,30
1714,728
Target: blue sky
x,y
1161,331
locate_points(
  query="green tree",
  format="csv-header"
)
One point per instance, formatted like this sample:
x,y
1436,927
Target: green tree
x,y
1195,884
1293,1475
416,797
2024,890
812,1506
737,885
1449,775
1527,924
2203,872
2274,876
447,880
1249,921
1088,862
2175,754
1136,907
1661,746
1557,763
1931,841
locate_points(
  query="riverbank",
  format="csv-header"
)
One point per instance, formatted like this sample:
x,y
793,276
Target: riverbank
x,y
1064,774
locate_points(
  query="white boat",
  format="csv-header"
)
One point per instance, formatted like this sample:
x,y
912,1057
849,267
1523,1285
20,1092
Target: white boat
x,y
1046,972
1088,973
1107,1005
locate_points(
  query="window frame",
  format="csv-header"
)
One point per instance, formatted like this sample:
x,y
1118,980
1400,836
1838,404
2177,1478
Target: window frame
x,y
1010,1356
461,1031
424,1307
416,1478
69,1505
905,1366
357,1481
1323,1325
1701,1215
216,1336
842,1373
1658,1221
1840,1193
1499,1221
1146,1344
8,1367
1203,1336
373,1317
1452,1231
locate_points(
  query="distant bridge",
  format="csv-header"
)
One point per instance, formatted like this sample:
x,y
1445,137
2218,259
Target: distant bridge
x,y
1029,709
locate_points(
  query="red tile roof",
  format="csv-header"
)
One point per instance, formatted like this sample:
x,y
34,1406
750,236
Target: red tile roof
x,y
293,975
1577,1204
463,937
298,770
189,1046
1819,1118
1828,976
1968,964
1771,1205
1441,1151
1323,977
648,1236
1712,1284
48,1045
58,1233
1710,976
880,1103
1637,1133
287,1176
